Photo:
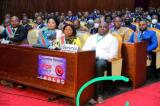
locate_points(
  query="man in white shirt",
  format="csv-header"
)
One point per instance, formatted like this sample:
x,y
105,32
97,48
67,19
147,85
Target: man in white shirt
x,y
106,47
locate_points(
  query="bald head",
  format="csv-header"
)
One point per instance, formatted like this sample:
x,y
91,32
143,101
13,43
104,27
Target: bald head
x,y
14,21
103,28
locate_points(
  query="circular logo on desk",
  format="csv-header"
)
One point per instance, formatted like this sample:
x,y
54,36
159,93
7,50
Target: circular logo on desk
x,y
59,70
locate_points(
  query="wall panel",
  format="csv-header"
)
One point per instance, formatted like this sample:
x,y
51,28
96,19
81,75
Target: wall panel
x,y
154,3
17,7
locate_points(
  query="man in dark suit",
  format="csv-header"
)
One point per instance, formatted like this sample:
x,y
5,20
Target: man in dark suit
x,y
15,33
70,16
25,24
127,23
39,22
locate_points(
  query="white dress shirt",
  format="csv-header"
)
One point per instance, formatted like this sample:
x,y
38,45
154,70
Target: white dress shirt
x,y
106,46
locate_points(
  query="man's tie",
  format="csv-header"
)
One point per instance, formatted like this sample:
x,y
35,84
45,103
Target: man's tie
x,y
13,30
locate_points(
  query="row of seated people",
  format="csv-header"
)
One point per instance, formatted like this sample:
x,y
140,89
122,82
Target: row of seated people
x,y
104,42
81,27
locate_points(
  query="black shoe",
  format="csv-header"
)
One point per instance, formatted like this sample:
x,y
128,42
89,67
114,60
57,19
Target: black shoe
x,y
7,83
21,86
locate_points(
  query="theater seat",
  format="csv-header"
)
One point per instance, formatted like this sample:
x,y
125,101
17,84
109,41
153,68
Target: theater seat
x,y
128,33
116,63
32,36
31,23
137,25
83,37
157,50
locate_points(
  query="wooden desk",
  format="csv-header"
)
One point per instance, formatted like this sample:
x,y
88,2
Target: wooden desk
x,y
20,64
134,62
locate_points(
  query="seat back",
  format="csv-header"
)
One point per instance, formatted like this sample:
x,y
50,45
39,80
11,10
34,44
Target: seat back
x,y
32,24
119,44
137,25
116,64
83,37
32,36
128,34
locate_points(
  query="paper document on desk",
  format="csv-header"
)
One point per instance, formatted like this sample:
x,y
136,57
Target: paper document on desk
x,y
70,48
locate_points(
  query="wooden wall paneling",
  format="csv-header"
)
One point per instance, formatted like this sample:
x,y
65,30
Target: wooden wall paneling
x,y
17,7
123,4
72,5
81,6
154,3
1,12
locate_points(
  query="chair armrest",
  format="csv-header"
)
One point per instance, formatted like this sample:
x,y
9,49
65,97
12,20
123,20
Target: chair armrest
x,y
157,50
114,59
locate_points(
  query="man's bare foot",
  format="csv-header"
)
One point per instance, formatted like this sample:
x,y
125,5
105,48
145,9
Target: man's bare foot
x,y
92,101
100,99
21,86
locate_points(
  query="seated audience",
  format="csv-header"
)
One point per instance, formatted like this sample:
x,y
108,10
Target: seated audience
x,y
39,22
154,23
71,17
76,24
148,36
4,25
83,34
106,47
15,33
69,36
61,22
25,23
47,36
128,23
6,22
145,35
7,16
118,29
90,24
94,30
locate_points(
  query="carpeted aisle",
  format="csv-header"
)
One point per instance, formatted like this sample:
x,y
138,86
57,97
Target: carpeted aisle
x,y
145,96
28,97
